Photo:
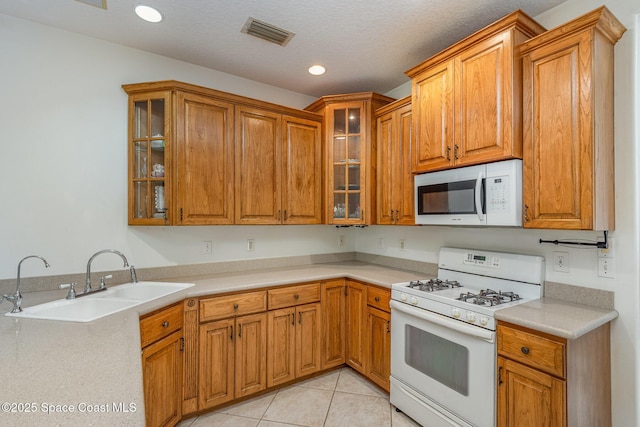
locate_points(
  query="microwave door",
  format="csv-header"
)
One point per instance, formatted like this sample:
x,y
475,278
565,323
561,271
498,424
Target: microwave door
x,y
459,202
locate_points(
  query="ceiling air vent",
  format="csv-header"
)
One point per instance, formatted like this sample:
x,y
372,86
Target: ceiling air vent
x,y
266,31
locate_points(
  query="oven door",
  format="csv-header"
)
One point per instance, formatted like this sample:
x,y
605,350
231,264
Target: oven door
x,y
442,370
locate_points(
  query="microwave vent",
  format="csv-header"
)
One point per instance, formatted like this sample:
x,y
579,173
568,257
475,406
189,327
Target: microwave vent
x,y
266,31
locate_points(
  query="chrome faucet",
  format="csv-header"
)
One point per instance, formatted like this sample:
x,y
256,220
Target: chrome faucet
x,y
87,283
16,298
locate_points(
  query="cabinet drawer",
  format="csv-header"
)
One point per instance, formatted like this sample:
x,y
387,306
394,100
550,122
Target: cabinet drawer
x,y
293,295
160,324
232,305
534,350
379,298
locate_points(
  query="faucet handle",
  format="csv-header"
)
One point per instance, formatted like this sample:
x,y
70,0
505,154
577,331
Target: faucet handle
x,y
72,289
102,284
134,276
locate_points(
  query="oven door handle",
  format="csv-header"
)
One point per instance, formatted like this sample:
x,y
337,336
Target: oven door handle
x,y
438,319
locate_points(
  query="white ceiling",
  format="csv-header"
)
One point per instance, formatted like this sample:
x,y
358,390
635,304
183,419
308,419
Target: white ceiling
x,y
364,44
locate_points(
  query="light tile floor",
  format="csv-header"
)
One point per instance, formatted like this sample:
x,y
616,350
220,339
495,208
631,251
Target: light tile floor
x,y
341,398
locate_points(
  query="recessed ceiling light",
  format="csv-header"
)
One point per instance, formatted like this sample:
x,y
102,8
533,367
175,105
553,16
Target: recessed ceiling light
x,y
317,70
148,13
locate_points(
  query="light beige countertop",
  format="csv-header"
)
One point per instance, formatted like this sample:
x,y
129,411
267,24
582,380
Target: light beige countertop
x,y
557,317
89,374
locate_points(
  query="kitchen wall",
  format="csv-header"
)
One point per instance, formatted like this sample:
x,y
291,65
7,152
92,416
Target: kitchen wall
x,y
63,173
63,162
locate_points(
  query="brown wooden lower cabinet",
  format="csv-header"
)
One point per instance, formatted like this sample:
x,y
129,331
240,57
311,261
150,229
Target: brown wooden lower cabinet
x,y
333,324
162,361
293,344
356,322
544,380
232,359
238,344
379,323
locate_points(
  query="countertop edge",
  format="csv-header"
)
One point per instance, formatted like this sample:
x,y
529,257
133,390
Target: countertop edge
x,y
557,317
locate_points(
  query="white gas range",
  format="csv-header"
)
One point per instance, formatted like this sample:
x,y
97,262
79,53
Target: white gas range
x,y
443,334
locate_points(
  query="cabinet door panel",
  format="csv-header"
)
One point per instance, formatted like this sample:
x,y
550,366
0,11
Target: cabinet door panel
x,y
386,144
527,397
402,165
302,186
433,118
557,153
258,171
484,98
333,324
308,339
204,160
281,325
379,347
215,374
251,354
356,321
162,372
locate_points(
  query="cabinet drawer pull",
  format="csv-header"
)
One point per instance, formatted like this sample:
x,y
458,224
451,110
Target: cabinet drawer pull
x,y
377,299
525,350
296,296
165,324
235,306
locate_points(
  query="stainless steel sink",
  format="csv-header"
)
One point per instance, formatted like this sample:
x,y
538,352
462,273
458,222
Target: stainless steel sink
x,y
101,304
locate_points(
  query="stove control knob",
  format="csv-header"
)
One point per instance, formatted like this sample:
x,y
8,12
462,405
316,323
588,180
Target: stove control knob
x,y
484,321
403,297
413,300
455,313
471,317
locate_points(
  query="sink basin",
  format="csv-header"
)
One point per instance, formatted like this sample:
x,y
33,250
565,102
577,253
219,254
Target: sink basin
x,y
101,304
142,291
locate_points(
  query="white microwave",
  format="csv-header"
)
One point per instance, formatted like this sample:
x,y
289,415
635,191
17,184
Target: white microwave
x,y
488,194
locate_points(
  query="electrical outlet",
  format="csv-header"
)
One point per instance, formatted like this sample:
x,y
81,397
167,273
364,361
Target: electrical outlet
x,y
206,247
608,252
340,241
402,243
606,268
251,245
561,262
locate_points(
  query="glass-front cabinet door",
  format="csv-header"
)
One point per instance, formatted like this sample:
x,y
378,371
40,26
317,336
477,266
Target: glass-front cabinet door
x,y
149,191
346,125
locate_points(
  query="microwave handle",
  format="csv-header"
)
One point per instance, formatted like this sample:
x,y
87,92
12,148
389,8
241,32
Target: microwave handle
x,y
478,194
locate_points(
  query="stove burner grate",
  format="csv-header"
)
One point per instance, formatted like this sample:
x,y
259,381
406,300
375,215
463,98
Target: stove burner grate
x,y
488,297
433,284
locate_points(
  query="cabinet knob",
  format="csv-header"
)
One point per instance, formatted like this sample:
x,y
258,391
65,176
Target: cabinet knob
x,y
296,296
525,350
235,306
165,324
377,299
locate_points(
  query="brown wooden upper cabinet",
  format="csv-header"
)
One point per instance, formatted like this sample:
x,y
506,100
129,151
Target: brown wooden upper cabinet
x,y
568,165
350,131
198,156
279,165
467,99
395,180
